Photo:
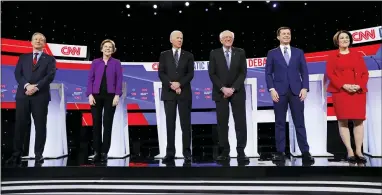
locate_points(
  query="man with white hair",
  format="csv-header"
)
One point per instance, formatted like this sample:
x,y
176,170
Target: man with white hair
x,y
228,70
176,70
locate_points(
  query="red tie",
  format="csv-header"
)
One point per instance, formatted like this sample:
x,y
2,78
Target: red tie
x,y
35,59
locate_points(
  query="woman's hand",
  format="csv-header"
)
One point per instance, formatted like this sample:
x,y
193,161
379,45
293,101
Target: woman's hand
x,y
92,101
115,100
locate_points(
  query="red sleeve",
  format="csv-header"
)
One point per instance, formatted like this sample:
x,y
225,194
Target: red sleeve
x,y
363,73
331,73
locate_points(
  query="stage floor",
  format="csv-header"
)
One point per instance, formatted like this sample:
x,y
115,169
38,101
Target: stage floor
x,y
79,160
73,175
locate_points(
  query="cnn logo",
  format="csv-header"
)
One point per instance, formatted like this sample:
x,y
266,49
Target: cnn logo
x,y
75,51
155,65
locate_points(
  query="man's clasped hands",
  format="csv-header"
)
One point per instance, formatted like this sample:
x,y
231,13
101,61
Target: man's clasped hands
x,y
227,92
176,87
31,89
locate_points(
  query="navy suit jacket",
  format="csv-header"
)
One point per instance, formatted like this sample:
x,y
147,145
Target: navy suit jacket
x,y
281,76
43,75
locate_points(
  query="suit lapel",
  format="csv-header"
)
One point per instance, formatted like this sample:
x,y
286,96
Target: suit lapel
x,y
221,52
40,61
280,55
170,56
292,55
29,63
234,57
181,58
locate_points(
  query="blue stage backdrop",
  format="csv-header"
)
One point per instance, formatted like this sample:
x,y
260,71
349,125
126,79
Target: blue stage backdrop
x,y
140,77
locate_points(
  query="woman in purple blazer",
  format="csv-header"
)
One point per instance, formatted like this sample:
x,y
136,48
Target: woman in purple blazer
x,y
104,89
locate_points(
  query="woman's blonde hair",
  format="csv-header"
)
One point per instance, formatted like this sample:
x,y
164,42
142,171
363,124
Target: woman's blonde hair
x,y
109,41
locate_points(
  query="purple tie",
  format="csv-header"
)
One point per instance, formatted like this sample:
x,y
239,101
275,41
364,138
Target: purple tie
x,y
286,55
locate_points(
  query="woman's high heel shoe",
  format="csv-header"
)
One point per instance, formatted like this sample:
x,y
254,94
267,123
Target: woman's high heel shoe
x,y
352,159
361,159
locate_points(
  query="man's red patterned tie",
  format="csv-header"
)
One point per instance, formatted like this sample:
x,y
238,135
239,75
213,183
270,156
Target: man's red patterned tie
x,y
35,59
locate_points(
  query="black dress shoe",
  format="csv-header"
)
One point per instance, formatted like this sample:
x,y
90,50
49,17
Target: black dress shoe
x,y
223,158
38,158
307,158
97,157
187,159
279,156
103,157
243,158
13,160
168,159
215,152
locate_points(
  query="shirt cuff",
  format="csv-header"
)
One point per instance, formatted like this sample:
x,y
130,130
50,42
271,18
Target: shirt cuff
x,y
271,89
25,86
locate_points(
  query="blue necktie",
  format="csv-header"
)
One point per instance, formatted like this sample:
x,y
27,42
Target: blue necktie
x,y
176,58
286,55
227,58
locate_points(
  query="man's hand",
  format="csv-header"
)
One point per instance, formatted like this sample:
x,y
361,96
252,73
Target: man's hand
x,y
227,92
31,89
274,95
303,94
175,85
178,91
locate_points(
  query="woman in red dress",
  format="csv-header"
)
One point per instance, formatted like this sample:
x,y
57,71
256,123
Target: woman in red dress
x,y
348,77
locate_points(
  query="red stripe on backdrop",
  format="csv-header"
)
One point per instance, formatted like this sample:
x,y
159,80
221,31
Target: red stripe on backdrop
x,y
329,100
19,46
11,48
8,105
310,57
134,119
367,50
12,61
331,111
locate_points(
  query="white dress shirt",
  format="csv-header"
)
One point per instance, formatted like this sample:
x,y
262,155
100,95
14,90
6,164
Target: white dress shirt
x,y
173,52
282,51
289,51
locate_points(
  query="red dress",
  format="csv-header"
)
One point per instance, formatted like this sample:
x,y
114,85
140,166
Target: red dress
x,y
348,69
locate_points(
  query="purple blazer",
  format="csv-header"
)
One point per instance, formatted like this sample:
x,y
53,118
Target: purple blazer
x,y
113,76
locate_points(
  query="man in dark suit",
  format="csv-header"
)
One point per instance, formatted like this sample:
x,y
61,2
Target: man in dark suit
x,y
288,81
228,70
34,72
176,70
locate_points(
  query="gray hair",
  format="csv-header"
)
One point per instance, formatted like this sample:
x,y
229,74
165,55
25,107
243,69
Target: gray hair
x,y
221,34
38,33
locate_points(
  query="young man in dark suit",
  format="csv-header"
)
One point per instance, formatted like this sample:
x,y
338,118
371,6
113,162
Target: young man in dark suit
x,y
287,80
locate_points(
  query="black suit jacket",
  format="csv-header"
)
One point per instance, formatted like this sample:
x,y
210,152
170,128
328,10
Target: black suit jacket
x,y
43,75
168,72
221,76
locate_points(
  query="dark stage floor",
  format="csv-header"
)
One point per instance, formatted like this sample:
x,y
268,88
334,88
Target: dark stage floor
x,y
205,162
78,175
